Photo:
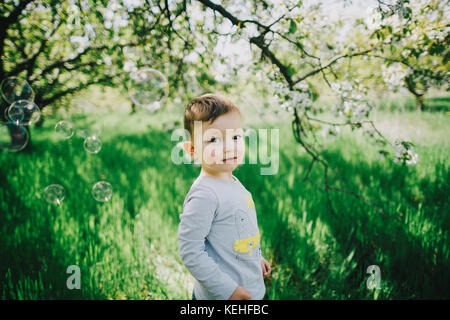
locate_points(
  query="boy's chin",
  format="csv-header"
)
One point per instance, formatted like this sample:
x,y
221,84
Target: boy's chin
x,y
223,167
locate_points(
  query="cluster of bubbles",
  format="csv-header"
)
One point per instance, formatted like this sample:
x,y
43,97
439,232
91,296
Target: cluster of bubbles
x,y
55,193
148,89
65,129
92,143
21,111
101,191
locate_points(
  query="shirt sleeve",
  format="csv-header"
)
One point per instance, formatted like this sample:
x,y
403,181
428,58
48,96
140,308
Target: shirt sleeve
x,y
198,214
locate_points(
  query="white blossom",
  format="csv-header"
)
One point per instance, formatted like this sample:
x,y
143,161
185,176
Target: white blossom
x,y
129,66
394,74
373,20
405,153
330,131
82,42
289,99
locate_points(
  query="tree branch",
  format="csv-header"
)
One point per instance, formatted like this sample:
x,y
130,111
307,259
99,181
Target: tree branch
x,y
296,123
5,23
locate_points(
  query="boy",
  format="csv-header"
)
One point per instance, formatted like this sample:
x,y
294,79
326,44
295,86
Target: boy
x,y
218,234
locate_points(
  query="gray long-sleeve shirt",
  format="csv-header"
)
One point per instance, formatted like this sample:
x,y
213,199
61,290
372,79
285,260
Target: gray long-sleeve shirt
x,y
218,239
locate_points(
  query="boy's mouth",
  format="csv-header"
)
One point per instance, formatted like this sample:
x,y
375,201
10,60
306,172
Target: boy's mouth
x,y
229,159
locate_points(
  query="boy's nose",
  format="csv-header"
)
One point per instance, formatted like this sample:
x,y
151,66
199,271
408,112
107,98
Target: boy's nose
x,y
229,148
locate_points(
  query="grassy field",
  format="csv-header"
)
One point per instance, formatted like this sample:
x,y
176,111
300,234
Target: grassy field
x,y
127,248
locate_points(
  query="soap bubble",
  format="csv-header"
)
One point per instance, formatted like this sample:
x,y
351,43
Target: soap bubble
x,y
13,137
92,144
6,115
24,112
64,129
54,194
102,191
15,115
148,88
13,89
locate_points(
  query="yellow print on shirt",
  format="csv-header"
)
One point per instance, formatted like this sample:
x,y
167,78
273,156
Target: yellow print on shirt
x,y
245,245
250,201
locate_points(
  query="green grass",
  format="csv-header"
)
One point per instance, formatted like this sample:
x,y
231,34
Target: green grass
x,y
408,103
127,247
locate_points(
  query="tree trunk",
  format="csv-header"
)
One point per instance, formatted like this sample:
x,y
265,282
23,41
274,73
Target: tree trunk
x,y
133,108
16,133
420,102
19,137
420,99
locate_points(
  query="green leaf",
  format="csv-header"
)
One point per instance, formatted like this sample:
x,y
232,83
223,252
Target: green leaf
x,y
407,13
290,70
292,27
314,91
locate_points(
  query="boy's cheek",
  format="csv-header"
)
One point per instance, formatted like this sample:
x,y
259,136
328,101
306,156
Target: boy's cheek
x,y
240,159
210,155
241,153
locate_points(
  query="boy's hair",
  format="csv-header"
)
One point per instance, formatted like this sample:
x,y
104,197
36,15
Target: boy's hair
x,y
207,107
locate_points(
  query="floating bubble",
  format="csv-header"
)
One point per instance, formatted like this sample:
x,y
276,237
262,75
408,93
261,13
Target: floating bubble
x,y
15,115
13,137
32,113
6,115
13,89
24,112
148,88
102,191
65,129
54,194
92,144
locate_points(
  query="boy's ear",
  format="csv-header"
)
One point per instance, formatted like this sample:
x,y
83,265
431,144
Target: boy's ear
x,y
189,148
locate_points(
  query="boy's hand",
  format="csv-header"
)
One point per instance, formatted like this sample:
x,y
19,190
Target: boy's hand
x,y
265,266
240,294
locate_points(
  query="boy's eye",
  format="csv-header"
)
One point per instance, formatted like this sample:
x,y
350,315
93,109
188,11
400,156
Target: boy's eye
x,y
214,139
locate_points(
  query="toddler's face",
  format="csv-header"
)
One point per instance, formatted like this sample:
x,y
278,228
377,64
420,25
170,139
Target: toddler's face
x,y
222,143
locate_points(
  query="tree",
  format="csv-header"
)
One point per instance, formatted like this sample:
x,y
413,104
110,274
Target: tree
x,y
62,47
418,55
